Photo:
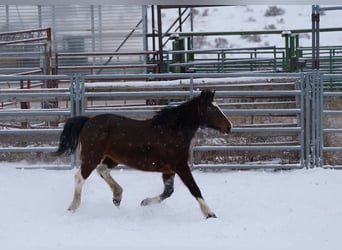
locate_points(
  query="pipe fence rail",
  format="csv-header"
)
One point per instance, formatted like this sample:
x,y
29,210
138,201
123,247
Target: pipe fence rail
x,y
287,125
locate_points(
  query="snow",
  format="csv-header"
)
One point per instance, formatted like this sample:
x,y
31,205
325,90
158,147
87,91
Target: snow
x,y
252,17
179,82
298,209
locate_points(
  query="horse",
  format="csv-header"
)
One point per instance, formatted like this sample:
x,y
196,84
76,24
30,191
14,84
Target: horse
x,y
159,144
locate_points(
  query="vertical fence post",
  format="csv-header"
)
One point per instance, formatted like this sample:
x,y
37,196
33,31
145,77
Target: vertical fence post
x,y
82,98
302,120
191,92
320,121
77,96
314,121
307,124
72,112
79,82
222,61
77,106
274,58
314,110
315,16
286,62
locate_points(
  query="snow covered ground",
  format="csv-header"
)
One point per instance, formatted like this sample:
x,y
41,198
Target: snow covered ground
x,y
299,209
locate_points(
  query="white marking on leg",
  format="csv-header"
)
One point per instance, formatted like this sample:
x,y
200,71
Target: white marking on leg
x,y
168,190
205,209
79,181
103,170
150,201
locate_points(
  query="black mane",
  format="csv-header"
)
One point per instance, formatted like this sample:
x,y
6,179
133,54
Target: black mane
x,y
183,118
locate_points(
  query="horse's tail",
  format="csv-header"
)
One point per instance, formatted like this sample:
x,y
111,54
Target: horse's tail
x,y
70,135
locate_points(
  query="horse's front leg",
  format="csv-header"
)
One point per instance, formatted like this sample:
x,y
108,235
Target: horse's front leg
x,y
187,178
168,180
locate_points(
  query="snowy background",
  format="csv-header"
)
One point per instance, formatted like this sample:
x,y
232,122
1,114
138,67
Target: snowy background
x,y
299,209
258,18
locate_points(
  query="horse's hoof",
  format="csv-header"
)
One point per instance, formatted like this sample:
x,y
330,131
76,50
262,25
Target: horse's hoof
x,y
151,201
145,202
72,210
73,206
116,202
211,215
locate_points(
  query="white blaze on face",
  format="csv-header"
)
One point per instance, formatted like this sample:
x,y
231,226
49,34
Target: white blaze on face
x,y
217,106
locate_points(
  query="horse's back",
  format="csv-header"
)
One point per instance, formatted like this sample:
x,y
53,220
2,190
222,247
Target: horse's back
x,y
112,121
105,118
118,131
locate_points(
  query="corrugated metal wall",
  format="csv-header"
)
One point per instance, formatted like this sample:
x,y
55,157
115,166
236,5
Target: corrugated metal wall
x,y
77,28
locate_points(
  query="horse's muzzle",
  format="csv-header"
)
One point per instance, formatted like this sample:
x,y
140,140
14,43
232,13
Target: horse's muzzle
x,y
226,128
229,127
229,130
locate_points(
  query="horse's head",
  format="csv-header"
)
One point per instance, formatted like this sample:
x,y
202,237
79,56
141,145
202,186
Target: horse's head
x,y
210,114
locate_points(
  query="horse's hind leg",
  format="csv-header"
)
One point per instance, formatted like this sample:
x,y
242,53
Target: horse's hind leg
x,y
87,166
79,181
168,179
103,169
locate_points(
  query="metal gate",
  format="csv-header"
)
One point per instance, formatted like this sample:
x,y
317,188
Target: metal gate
x,y
327,120
303,108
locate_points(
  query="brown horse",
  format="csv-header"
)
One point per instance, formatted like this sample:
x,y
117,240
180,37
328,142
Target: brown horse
x,y
159,144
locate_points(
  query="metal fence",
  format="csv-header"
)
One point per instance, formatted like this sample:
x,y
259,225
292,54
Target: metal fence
x,y
291,110
328,99
224,60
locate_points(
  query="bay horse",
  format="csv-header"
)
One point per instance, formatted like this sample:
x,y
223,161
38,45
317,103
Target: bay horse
x,y
158,144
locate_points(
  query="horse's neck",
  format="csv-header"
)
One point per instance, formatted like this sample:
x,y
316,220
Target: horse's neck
x,y
188,133
188,126
181,121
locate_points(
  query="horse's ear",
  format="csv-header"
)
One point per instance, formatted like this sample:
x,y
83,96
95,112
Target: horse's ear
x,y
213,95
207,96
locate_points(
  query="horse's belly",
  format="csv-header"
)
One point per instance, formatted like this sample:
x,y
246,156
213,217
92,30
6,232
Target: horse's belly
x,y
146,159
147,164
